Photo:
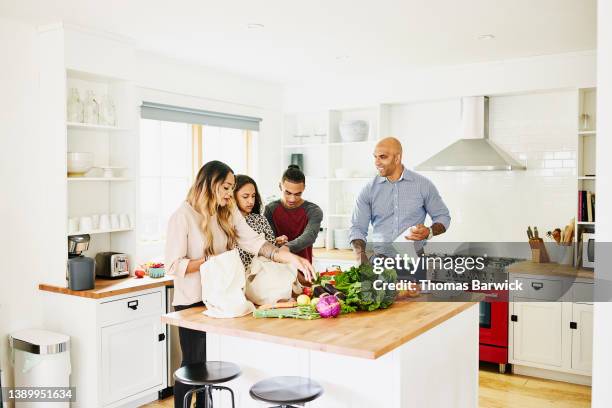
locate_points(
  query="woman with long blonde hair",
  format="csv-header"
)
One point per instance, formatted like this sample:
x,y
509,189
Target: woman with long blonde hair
x,y
208,223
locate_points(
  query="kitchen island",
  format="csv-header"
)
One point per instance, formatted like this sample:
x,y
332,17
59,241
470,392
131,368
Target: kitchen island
x,y
414,354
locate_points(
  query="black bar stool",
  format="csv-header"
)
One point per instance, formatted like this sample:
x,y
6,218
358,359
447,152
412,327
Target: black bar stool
x,y
205,376
285,391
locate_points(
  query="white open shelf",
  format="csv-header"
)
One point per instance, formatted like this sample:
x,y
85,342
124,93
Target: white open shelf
x,y
91,126
111,146
309,145
586,177
585,222
92,232
73,179
587,132
362,143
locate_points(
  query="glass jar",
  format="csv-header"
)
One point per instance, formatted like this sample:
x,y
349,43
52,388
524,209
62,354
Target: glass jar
x,y
585,121
107,114
91,108
74,109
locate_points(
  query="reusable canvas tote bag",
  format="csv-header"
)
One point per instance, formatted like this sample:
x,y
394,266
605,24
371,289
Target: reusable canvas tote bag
x,y
268,282
223,282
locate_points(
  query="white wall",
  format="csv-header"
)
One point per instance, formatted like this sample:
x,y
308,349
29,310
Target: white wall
x,y
22,206
539,129
602,352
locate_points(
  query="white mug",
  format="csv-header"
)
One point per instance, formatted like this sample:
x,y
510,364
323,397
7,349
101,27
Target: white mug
x,y
73,225
105,223
96,221
114,221
85,224
124,221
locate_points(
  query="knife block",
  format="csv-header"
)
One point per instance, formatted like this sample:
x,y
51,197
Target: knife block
x,y
539,254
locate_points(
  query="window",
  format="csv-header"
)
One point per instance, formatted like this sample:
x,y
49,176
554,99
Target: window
x,y
231,146
165,173
171,154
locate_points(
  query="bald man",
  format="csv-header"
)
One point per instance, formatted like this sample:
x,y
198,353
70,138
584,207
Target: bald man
x,y
393,201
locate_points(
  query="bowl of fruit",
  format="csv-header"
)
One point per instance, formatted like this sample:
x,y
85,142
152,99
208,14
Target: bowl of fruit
x,y
154,269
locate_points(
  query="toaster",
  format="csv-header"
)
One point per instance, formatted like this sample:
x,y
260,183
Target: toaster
x,y
112,265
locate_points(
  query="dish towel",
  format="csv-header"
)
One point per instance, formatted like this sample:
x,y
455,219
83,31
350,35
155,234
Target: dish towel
x,y
268,282
223,281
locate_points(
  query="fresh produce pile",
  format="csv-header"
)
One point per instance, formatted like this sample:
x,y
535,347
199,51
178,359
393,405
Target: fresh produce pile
x,y
147,268
358,285
336,292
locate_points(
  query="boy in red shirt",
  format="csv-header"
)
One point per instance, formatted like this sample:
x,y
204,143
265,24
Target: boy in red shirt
x,y
295,222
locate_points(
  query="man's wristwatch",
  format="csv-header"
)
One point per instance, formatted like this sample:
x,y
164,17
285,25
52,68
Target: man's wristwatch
x,y
430,233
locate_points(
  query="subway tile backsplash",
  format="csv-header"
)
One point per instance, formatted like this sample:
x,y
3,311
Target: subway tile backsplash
x,y
536,129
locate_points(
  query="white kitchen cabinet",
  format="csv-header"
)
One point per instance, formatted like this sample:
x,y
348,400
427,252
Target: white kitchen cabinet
x,y
552,339
127,364
582,337
538,332
118,346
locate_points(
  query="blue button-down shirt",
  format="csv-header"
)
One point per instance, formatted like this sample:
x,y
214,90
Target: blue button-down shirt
x,y
392,207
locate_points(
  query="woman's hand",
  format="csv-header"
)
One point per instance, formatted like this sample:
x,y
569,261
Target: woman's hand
x,y
282,240
300,263
194,265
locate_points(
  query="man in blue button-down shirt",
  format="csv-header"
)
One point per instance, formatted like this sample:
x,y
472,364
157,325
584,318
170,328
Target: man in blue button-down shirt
x,y
396,199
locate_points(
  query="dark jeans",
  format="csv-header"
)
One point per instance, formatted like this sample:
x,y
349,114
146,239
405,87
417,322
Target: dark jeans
x,y
193,347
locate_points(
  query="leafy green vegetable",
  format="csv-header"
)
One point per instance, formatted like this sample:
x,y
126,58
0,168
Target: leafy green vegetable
x,y
358,285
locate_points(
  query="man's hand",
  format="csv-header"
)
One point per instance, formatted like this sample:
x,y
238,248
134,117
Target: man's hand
x,y
418,233
282,240
360,252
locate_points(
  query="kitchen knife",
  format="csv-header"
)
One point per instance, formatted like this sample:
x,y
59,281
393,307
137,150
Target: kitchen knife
x,y
536,233
529,233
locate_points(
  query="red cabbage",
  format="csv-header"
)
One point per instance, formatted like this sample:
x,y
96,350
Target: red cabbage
x,y
328,306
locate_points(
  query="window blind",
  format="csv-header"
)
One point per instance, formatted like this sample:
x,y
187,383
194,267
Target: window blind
x,y
169,113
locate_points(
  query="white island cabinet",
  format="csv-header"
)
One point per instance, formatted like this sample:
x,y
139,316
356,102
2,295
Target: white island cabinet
x,y
414,354
118,345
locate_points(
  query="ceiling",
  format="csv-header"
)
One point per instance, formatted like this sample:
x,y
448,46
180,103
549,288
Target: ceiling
x,y
306,40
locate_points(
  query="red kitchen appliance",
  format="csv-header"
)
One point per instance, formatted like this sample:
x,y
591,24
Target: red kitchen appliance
x,y
493,343
494,328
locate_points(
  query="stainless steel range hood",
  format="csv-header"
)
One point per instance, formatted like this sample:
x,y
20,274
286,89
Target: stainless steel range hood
x,y
474,151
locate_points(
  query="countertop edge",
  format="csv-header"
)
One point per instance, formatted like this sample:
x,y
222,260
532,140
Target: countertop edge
x,y
93,294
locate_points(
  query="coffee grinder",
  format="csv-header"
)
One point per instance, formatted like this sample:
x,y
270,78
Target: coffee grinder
x,y
80,270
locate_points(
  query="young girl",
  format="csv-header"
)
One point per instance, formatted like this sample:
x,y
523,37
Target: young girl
x,y
207,224
248,201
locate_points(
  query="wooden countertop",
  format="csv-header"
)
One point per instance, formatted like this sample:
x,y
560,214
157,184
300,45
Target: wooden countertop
x,y
343,254
112,287
363,334
549,269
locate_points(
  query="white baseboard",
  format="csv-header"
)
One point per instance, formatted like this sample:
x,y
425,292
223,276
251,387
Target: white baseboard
x,y
551,375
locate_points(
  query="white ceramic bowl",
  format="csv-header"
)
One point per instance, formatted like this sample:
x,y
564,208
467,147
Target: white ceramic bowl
x,y
79,163
353,130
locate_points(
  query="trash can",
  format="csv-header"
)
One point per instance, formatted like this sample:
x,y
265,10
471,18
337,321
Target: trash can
x,y
41,359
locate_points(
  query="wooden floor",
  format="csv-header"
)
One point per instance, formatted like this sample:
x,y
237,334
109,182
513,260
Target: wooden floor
x,y
509,391
517,391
